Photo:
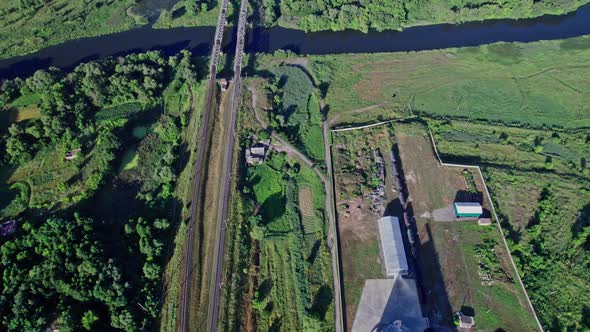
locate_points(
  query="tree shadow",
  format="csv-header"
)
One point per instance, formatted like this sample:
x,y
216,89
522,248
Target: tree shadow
x,y
264,289
273,208
582,221
314,251
468,196
276,325
321,301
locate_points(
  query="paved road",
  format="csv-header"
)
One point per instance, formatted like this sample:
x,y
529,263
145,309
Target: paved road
x,y
204,133
225,188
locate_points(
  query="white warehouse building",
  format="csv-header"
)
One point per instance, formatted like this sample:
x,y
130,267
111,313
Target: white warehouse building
x,y
392,246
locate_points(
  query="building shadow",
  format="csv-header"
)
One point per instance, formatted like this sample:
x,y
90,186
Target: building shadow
x,y
432,289
469,196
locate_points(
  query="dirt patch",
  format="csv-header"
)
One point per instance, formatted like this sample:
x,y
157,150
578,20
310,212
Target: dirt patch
x,y
305,202
357,220
431,186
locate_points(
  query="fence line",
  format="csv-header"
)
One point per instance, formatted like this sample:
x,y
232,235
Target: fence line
x,y
485,186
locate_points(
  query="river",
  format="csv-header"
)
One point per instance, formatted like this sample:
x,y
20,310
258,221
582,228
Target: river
x,y
170,41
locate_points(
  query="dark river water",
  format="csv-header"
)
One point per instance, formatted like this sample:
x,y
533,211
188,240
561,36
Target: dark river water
x,y
198,40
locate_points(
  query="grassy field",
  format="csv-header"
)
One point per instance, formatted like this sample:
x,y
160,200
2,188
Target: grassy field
x,y
23,108
538,180
28,29
190,99
177,16
294,277
537,84
463,265
277,254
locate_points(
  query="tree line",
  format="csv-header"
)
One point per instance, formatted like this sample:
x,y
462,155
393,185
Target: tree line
x,y
67,268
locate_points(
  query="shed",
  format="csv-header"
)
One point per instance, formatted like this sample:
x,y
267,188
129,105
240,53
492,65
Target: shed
x,y
467,209
392,246
465,321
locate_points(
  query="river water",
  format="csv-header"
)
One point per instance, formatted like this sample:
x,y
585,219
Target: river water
x,y
198,40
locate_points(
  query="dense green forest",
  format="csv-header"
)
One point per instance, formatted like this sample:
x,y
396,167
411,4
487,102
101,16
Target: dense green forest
x,y
317,15
88,170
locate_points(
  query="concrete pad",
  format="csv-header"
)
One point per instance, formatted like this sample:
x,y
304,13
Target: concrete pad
x,y
448,214
385,301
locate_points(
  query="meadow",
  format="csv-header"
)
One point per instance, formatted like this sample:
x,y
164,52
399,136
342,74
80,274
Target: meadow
x,y
538,84
277,254
296,108
294,273
27,28
539,182
464,265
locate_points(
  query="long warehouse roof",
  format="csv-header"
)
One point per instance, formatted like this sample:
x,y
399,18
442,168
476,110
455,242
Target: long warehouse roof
x,y
393,246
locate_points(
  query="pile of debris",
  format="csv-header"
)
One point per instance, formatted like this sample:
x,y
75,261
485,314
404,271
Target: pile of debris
x,y
377,196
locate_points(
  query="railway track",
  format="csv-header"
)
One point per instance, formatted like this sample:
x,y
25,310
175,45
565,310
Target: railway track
x,y
204,136
225,188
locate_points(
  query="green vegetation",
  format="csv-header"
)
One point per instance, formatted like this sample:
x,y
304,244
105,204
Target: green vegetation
x,y
28,25
543,203
296,109
14,199
533,85
92,182
186,13
317,15
277,252
294,280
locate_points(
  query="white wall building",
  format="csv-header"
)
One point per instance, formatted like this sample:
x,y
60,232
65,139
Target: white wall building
x,y
392,246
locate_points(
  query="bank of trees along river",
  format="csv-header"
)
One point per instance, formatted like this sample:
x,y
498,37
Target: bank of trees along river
x,y
318,15
91,241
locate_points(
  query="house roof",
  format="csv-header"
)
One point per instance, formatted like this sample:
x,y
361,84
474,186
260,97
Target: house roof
x,y
259,150
468,207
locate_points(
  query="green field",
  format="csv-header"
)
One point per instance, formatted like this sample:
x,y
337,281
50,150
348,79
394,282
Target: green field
x,y
39,24
277,244
543,202
537,84
294,274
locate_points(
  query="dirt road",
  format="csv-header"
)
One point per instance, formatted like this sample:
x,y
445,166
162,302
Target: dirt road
x,y
286,147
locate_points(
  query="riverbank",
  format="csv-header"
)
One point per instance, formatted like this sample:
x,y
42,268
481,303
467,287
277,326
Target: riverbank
x,y
61,25
198,40
28,28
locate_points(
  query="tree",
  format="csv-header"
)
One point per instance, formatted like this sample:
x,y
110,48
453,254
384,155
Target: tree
x,y
89,319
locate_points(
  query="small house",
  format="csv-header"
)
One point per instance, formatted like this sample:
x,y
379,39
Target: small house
x,y
466,322
467,209
256,154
